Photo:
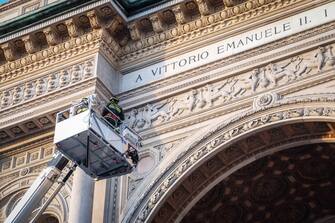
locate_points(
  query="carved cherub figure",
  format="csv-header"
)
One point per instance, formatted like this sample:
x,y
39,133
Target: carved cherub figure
x,y
254,79
320,58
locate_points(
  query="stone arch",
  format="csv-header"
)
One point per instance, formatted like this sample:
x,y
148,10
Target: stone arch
x,y
318,108
15,189
48,218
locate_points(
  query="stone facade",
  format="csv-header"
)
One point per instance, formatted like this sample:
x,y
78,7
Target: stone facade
x,y
199,126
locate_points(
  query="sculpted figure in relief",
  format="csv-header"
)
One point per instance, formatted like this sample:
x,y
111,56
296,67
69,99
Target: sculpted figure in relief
x,y
331,57
40,87
5,99
64,78
76,73
324,57
226,91
178,106
201,98
131,118
88,69
212,94
320,57
17,95
153,112
231,89
300,67
254,79
272,74
52,82
29,90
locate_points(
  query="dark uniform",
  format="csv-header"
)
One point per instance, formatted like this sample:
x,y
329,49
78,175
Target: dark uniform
x,y
114,114
133,155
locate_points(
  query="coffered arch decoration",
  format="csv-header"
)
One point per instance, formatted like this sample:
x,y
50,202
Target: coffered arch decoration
x,y
203,161
13,191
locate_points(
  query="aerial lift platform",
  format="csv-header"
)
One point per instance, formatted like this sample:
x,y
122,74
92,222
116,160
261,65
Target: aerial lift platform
x,y
88,141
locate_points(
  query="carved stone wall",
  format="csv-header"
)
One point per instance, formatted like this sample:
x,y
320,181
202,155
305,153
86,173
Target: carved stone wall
x,y
40,87
19,169
185,120
259,80
201,148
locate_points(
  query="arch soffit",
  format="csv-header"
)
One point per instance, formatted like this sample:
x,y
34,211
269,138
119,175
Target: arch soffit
x,y
201,146
23,183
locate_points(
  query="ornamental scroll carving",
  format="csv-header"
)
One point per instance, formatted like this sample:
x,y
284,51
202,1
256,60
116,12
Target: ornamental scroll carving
x,y
260,79
46,84
198,152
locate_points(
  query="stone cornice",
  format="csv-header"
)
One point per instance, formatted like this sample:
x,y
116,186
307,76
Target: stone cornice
x,y
54,20
204,29
86,43
124,52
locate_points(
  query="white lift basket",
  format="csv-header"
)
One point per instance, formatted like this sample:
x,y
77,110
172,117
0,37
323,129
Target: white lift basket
x,y
90,141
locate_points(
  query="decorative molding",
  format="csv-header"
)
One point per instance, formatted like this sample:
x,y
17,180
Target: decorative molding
x,y
42,86
198,28
167,147
26,159
261,79
296,108
143,46
245,56
55,54
265,100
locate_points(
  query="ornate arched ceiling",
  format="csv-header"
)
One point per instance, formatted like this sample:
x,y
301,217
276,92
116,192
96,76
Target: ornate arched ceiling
x,y
295,185
244,151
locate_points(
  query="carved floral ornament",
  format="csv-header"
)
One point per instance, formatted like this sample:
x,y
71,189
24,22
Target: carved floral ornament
x,y
312,107
260,79
51,82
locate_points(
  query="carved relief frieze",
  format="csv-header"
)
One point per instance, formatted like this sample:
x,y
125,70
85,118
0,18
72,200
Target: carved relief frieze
x,y
43,85
258,80
236,59
226,132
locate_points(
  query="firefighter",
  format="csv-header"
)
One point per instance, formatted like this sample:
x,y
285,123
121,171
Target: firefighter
x,y
83,106
113,113
132,154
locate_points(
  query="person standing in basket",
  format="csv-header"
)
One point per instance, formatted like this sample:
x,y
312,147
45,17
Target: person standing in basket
x,y
113,113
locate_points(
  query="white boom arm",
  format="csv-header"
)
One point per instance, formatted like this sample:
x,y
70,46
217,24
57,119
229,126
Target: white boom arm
x,y
37,190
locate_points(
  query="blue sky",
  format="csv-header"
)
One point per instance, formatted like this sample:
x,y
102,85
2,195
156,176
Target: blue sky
x,y
3,1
